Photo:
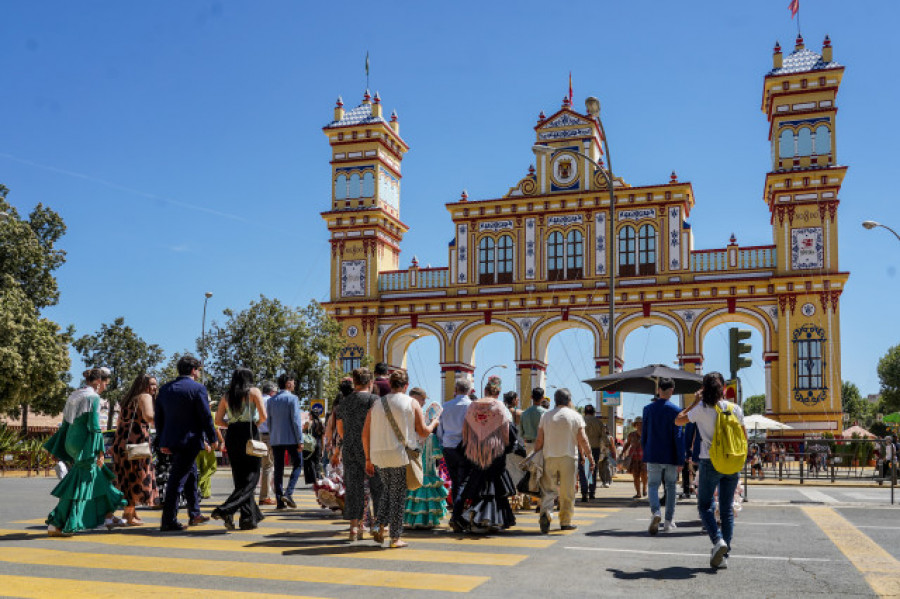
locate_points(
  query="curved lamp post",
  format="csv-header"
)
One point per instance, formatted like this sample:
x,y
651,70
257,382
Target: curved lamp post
x,y
487,371
592,105
871,224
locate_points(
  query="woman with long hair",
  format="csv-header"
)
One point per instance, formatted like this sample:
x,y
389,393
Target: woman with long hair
x,y
135,478
483,497
427,505
244,408
634,450
87,496
704,413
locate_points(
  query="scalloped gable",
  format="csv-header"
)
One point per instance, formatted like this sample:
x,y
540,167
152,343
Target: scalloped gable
x,y
563,118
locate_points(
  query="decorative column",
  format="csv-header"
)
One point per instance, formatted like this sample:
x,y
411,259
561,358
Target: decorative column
x,y
531,374
450,371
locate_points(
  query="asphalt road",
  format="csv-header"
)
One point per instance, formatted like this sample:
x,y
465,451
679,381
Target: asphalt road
x,y
790,541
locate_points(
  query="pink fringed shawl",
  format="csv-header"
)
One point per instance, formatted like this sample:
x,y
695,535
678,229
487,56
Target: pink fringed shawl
x,y
485,432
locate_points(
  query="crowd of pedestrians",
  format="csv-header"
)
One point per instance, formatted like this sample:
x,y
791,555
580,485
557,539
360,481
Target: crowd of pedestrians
x,y
398,461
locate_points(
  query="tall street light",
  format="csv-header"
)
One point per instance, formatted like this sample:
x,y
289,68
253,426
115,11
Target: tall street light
x,y
207,295
871,224
593,108
487,371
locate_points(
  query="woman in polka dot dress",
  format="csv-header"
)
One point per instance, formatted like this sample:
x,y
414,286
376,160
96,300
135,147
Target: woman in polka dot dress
x,y
135,478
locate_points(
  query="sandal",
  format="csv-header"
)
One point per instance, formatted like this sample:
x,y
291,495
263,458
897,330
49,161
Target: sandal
x,y
638,496
378,535
134,522
52,531
398,544
114,522
354,534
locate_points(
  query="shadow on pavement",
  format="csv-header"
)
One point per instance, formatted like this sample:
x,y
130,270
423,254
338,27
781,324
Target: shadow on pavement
x,y
670,573
640,533
348,550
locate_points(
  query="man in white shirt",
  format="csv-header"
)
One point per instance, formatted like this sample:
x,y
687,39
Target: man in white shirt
x,y
560,435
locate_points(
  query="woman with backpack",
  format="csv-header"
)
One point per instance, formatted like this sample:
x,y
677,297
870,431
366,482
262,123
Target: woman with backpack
x,y
721,427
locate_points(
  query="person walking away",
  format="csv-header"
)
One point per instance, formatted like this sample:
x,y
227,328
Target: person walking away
x,y
634,452
87,497
560,436
243,405
136,478
269,390
427,505
531,418
351,417
391,427
207,464
449,431
595,432
286,436
331,438
184,425
312,457
707,408
692,443
382,384
662,442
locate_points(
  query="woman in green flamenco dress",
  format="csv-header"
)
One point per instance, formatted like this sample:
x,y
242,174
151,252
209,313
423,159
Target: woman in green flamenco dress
x,y
87,495
427,505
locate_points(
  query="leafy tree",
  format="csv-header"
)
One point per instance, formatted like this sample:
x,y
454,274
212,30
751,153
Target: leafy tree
x,y
858,408
755,404
34,356
120,349
269,338
889,373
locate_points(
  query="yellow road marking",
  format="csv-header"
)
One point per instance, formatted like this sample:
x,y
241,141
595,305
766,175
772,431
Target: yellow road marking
x,y
39,588
880,569
286,547
293,573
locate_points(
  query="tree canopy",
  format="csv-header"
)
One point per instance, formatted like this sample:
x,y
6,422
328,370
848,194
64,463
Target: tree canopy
x,y
269,338
857,408
889,374
755,404
123,351
34,357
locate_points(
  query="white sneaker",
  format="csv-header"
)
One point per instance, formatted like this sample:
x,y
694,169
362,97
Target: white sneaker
x,y
724,563
718,553
654,524
669,526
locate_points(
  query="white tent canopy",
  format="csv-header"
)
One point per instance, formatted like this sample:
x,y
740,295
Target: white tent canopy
x,y
761,423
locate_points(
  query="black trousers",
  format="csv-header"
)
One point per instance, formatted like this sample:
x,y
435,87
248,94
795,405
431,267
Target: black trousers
x,y
278,452
182,479
456,468
589,487
244,473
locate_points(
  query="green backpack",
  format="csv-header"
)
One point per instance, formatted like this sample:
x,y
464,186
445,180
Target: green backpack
x,y
728,450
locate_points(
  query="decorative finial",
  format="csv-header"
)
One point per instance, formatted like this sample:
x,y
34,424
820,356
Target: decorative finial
x,y
827,42
394,116
464,196
531,169
367,96
541,116
777,47
340,102
415,262
673,178
798,45
733,238
565,103
377,98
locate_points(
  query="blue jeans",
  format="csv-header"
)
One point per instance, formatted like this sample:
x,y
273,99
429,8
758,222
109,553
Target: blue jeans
x,y
655,475
710,480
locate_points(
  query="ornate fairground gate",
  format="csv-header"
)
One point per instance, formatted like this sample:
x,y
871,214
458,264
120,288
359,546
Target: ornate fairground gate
x,y
535,261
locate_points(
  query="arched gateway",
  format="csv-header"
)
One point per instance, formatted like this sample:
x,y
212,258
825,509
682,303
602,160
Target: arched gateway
x,y
535,261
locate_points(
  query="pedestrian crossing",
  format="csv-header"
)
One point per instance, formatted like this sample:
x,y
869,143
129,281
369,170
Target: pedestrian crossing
x,y
303,550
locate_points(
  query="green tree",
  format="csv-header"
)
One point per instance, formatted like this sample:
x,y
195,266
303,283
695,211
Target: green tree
x,y
124,352
889,374
858,408
269,338
755,404
34,358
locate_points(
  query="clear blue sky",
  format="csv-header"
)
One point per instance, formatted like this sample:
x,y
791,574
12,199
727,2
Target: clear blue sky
x,y
182,143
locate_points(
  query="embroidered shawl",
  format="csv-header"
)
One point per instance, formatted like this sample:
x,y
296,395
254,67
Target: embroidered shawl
x,y
485,432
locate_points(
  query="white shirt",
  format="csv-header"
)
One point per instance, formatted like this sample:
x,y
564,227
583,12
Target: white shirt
x,y
561,427
384,448
705,419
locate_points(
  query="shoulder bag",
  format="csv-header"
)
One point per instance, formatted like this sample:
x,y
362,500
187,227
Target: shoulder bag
x,y
414,474
254,448
136,451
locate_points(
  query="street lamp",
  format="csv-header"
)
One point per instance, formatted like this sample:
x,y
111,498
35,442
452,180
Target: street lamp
x,y
871,224
487,371
592,105
207,295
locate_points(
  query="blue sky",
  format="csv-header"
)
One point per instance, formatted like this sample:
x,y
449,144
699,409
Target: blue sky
x,y
182,143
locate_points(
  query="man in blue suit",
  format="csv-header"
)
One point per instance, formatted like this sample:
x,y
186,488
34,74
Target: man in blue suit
x,y
185,426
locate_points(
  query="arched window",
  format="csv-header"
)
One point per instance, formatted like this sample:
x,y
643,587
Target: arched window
x,y
786,144
486,266
555,257
804,142
626,251
822,140
368,184
340,187
574,255
647,250
505,259
354,185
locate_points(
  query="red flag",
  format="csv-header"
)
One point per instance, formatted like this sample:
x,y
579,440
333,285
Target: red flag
x,y
570,85
794,7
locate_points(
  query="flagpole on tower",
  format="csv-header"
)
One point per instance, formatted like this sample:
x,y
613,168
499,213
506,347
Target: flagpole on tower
x,y
794,7
367,69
